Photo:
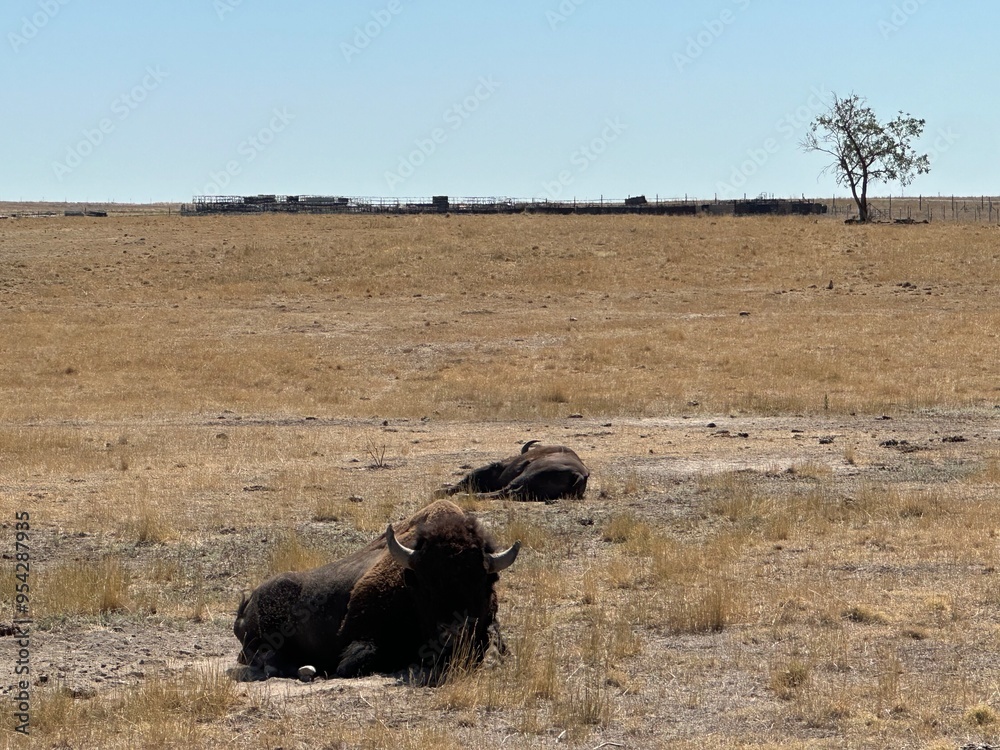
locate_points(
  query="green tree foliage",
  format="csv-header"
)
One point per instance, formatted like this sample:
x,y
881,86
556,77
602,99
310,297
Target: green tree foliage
x,y
865,150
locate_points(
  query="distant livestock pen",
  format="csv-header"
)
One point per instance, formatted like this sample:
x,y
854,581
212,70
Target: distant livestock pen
x,y
214,204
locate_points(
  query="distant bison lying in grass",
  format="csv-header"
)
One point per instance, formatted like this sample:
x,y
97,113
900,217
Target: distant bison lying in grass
x,y
402,602
538,472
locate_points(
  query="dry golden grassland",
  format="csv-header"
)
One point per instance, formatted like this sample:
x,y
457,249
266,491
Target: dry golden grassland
x,y
790,538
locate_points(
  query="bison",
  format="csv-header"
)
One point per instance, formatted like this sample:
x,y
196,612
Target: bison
x,y
401,602
538,472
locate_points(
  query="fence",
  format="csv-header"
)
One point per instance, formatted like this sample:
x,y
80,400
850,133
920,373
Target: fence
x,y
444,204
979,209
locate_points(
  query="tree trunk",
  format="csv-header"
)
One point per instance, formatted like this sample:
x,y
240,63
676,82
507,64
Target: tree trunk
x,y
863,215
860,202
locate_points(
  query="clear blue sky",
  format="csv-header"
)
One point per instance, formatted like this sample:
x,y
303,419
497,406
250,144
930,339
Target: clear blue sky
x,y
142,101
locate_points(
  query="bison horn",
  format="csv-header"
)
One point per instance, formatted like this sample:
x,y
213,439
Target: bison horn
x,y
503,560
402,555
526,446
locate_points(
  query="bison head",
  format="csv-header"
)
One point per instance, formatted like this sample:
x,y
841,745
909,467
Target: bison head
x,y
484,479
450,573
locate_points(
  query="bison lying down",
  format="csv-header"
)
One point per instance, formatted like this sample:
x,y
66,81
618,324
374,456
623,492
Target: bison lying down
x,y
539,472
399,602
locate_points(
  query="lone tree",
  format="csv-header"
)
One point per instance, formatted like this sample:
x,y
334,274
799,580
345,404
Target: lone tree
x,y
865,150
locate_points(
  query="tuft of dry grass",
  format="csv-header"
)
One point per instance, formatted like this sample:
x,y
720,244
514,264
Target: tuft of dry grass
x,y
865,615
84,588
789,678
981,716
624,528
619,484
288,553
149,525
170,711
701,609
328,508
533,535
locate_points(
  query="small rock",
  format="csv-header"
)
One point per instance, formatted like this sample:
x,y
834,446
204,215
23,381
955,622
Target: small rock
x,y
307,673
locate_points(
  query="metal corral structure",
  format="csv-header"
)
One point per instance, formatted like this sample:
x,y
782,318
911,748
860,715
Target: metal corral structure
x,y
214,204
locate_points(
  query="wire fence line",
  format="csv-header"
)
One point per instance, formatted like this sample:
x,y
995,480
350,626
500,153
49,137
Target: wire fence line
x,y
982,209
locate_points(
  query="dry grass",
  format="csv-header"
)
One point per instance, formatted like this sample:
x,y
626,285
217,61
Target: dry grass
x,y
193,405
289,554
255,314
86,588
172,712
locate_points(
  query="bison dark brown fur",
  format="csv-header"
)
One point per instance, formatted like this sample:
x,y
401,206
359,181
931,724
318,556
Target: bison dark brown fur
x,y
395,604
538,472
